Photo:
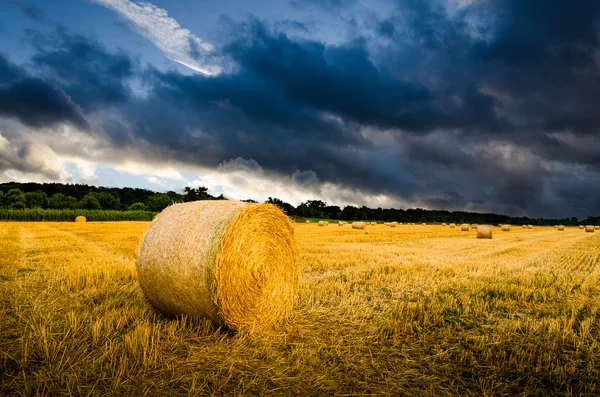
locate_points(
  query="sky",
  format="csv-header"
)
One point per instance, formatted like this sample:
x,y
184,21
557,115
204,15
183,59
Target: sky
x,y
476,105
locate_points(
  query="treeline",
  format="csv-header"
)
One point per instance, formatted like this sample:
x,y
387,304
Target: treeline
x,y
66,215
57,196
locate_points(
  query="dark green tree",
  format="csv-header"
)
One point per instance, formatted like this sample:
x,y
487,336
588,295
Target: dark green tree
x,y
90,202
37,199
60,202
192,194
15,199
108,201
158,202
137,207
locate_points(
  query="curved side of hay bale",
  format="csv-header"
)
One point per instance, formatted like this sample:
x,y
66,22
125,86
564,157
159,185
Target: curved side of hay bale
x,y
484,231
529,226
444,224
232,262
560,228
464,227
589,229
81,218
307,221
506,228
581,226
452,226
524,226
322,223
359,225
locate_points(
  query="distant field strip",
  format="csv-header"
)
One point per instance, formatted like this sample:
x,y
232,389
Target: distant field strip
x,y
412,310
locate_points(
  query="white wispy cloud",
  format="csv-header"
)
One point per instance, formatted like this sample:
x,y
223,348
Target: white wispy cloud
x,y
177,43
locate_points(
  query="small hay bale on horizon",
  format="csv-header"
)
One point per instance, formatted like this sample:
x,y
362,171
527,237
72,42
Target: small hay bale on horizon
x,y
464,227
589,229
307,221
81,218
524,226
224,260
452,225
529,226
474,226
581,226
561,228
506,228
322,223
484,231
359,225
444,224
597,227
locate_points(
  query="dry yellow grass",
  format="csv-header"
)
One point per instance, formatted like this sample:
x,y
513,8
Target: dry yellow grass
x,y
398,311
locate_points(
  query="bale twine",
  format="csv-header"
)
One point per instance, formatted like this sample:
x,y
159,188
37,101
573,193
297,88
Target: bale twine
x,y
506,228
529,226
464,227
589,229
322,223
81,218
484,231
560,228
359,225
452,226
235,263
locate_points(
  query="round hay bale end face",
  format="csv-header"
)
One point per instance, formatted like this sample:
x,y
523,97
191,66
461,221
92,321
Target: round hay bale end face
x,y
232,262
464,227
506,228
560,228
359,225
484,231
452,226
589,229
81,218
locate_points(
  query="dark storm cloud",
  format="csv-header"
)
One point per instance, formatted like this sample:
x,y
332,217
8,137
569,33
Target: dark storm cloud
x,y
28,8
478,104
92,76
33,101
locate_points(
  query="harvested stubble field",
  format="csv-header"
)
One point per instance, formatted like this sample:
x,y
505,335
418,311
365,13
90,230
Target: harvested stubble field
x,y
412,310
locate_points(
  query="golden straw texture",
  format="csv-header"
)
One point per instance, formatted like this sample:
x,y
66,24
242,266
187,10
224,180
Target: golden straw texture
x,y
452,225
233,262
464,227
484,231
81,218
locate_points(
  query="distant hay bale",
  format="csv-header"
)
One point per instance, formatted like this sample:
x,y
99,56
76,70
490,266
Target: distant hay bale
x,y
307,221
529,226
474,226
506,228
597,227
589,229
322,223
555,226
561,228
81,218
484,231
452,225
359,225
342,223
464,227
393,224
373,223
524,226
424,224
444,224
233,262
581,226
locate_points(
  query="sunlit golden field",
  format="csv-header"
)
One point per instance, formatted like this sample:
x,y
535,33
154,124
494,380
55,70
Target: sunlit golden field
x,y
412,310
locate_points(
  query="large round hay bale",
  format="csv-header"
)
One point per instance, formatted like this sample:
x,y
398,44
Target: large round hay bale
x,y
359,225
589,229
235,263
506,228
464,227
484,231
452,225
323,223
81,218
560,228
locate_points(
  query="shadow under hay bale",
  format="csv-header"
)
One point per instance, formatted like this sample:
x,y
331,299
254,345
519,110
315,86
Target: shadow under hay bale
x,y
235,263
484,231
